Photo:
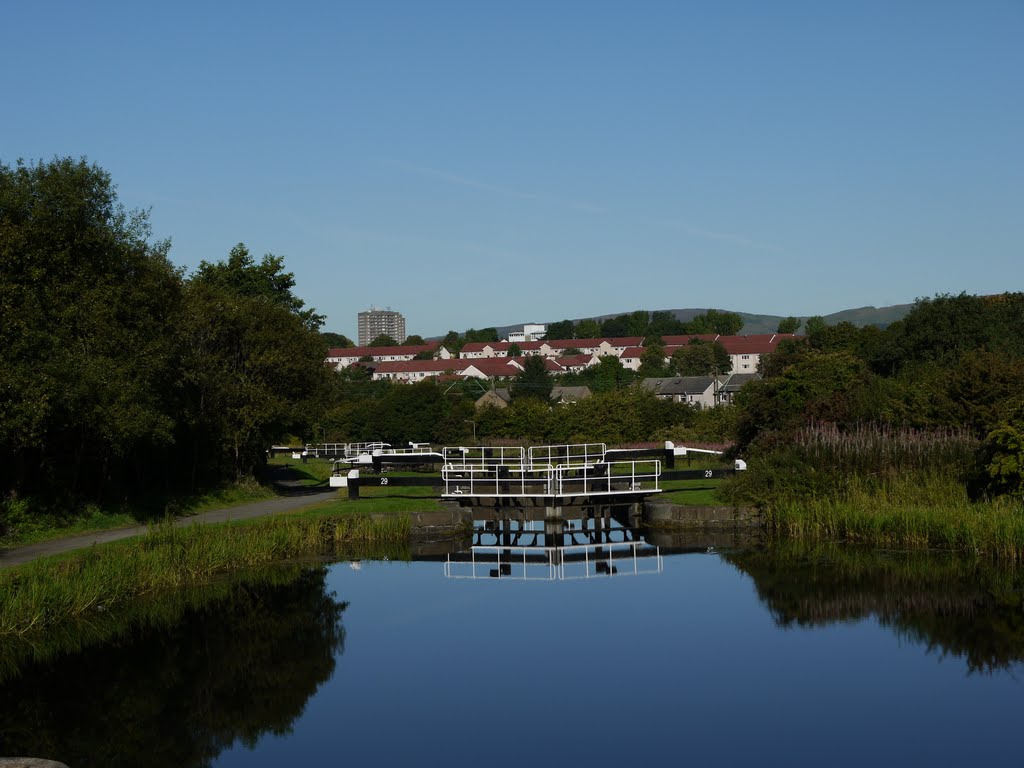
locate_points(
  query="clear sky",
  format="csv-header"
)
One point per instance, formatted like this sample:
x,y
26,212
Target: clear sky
x,y
489,162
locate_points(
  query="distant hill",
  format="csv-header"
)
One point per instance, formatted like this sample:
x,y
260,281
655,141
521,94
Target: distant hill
x,y
861,316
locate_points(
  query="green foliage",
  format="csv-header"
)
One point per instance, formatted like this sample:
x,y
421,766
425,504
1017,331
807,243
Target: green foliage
x,y
701,358
713,321
652,361
119,378
241,276
815,325
415,340
587,329
514,350
383,340
1003,454
789,325
336,340
818,386
481,335
535,381
946,328
563,329
616,416
86,352
250,368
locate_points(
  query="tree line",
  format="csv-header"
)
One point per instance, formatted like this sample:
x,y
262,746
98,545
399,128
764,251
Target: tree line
x,y
123,377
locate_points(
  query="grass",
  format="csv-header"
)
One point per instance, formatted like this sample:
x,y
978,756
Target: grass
x,y
915,511
50,591
695,493
23,522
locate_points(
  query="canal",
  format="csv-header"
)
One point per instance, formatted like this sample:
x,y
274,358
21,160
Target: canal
x,y
671,650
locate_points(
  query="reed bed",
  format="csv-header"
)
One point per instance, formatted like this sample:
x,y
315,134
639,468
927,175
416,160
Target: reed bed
x,y
922,510
50,591
882,486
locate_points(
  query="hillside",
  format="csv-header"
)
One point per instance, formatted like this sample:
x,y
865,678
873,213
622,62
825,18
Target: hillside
x,y
753,323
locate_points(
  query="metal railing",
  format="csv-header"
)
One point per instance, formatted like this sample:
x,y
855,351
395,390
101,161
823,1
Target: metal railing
x,y
611,478
579,453
568,563
483,456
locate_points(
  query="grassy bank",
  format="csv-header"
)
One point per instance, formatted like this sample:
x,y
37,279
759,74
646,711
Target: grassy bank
x,y
54,590
919,511
27,521
882,487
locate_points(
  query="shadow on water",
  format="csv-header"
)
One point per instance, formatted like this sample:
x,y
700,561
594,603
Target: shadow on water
x,y
177,680
963,607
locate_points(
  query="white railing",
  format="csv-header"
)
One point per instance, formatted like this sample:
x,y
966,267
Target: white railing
x,y
571,562
489,481
608,479
478,456
421,449
579,453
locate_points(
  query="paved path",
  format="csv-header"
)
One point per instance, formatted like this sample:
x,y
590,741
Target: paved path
x,y
306,498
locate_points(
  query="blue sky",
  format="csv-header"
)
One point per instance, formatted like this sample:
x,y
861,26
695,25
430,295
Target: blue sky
x,y
488,162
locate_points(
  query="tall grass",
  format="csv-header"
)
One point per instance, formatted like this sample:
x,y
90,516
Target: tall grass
x,y
921,510
882,486
46,592
821,460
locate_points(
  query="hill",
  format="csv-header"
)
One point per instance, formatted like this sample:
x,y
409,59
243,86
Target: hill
x,y
754,323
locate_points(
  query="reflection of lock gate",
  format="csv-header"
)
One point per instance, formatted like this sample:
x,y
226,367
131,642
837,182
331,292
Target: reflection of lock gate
x,y
574,561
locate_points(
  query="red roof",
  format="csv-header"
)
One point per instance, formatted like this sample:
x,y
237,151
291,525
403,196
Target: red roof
x,y
425,366
412,349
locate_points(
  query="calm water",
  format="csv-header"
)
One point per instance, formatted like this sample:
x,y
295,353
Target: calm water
x,y
783,656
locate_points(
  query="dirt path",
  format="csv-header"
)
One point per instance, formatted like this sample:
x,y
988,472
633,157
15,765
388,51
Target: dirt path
x,y
295,500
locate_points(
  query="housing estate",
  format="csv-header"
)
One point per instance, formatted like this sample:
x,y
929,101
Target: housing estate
x,y
492,360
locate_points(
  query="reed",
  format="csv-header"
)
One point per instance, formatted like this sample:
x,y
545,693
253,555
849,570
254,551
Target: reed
x,y
53,590
920,510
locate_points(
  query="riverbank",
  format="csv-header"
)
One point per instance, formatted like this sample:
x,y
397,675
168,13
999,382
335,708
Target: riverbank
x,y
52,590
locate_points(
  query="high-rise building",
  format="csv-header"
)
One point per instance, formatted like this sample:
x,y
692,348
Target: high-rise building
x,y
374,322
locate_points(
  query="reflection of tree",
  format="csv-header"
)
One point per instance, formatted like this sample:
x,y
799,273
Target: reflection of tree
x,y
178,695
960,606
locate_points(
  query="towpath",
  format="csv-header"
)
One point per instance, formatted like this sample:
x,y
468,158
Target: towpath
x,y
296,497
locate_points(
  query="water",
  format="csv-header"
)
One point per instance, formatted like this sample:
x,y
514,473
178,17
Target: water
x,y
771,656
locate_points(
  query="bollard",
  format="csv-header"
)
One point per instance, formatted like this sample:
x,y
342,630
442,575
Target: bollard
x,y
353,484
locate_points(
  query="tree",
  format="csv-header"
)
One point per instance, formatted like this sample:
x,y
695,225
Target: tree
x,y
251,366
612,326
336,340
1003,454
815,326
482,335
563,329
652,360
535,381
242,276
587,329
701,358
87,358
453,342
713,321
383,340
415,340
664,323
789,325
514,350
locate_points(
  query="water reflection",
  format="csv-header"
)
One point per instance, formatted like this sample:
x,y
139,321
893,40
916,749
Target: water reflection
x,y
567,543
963,607
178,690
